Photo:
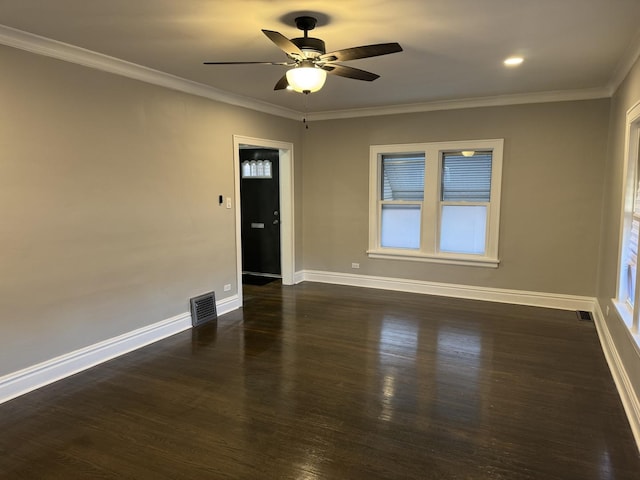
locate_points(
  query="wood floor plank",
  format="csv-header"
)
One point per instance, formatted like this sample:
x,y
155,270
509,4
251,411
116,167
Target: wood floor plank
x,y
329,382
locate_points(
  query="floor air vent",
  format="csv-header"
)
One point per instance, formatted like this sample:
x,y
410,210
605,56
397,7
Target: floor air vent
x,y
584,316
203,309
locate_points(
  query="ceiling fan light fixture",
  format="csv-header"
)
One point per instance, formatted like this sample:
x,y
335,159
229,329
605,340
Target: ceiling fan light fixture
x,y
306,78
307,55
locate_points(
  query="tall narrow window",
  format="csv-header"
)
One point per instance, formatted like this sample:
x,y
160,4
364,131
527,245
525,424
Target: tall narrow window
x,y
626,304
631,259
402,194
465,197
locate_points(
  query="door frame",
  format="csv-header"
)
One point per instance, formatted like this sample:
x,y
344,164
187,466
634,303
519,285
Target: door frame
x,y
287,227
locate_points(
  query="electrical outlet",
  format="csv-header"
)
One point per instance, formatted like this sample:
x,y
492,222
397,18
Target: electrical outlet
x,y
355,265
227,287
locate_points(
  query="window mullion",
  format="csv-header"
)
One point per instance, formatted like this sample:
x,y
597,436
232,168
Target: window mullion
x,y
431,202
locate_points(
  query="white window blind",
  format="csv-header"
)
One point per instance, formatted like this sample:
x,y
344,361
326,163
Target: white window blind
x,y
466,179
403,177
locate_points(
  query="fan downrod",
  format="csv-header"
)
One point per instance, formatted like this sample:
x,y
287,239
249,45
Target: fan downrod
x,y
311,46
306,23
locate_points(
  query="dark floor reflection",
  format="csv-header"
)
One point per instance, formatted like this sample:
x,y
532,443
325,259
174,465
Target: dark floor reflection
x,y
329,382
397,352
458,369
204,336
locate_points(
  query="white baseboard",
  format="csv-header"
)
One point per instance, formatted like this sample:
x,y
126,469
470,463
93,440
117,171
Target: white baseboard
x,y
298,277
518,297
24,381
629,397
228,304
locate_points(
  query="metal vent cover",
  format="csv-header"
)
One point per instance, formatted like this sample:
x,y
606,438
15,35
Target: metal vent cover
x,y
584,316
203,309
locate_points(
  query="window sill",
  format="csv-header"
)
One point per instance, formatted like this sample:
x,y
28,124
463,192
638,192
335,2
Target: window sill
x,y
625,314
468,260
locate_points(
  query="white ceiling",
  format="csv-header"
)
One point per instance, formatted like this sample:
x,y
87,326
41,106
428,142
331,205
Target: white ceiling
x,y
453,49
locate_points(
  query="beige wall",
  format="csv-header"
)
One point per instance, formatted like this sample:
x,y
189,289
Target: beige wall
x,y
625,98
108,203
551,193
110,222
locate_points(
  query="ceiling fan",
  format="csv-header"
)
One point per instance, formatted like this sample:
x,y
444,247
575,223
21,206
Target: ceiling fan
x,y
310,63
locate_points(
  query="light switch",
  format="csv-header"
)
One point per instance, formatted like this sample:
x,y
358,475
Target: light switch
x,y
228,202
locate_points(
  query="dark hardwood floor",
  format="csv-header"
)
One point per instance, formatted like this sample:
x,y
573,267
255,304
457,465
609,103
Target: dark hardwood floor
x,y
328,382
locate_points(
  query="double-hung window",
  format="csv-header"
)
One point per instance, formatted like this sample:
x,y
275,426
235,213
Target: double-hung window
x,y
437,202
627,302
402,195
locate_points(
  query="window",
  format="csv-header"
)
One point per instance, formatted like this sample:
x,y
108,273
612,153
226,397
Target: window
x,y
256,169
465,196
628,286
402,192
437,202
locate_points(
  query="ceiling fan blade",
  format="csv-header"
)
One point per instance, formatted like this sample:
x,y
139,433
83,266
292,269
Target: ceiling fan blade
x,y
350,72
364,51
246,63
284,44
282,83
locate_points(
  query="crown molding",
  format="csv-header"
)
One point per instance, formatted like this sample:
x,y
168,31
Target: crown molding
x,y
69,53
496,101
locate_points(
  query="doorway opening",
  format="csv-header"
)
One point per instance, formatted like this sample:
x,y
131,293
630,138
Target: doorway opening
x,y
264,211
260,214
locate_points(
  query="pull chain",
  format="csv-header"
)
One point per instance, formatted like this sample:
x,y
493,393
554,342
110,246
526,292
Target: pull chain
x,y
305,109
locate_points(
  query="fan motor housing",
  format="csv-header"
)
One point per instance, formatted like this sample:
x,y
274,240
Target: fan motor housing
x,y
312,46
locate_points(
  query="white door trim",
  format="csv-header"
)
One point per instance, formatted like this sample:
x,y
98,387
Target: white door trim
x,y
287,239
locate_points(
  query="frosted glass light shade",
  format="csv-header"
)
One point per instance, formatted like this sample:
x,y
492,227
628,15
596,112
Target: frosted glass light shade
x,y
306,79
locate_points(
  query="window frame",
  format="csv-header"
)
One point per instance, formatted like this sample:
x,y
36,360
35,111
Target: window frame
x,y
400,203
431,206
630,314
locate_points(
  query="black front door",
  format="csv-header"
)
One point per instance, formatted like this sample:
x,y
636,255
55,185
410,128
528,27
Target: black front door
x,y
260,204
